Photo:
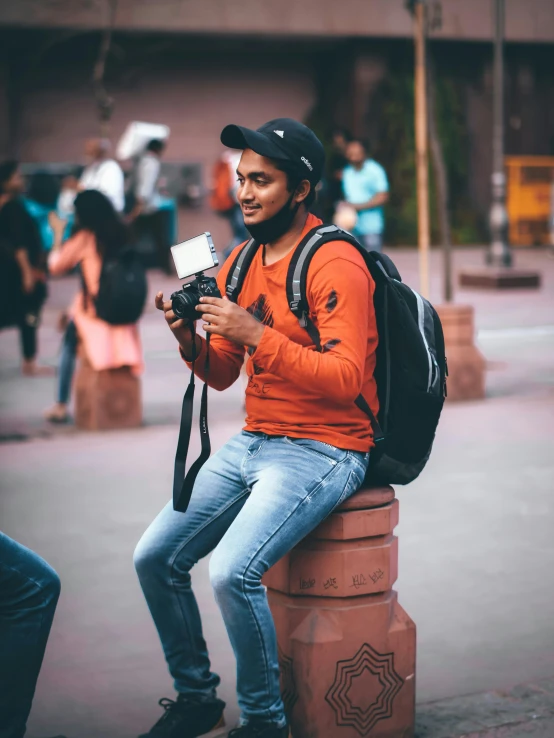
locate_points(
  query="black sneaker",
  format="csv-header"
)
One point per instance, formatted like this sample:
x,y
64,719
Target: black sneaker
x,y
260,730
185,718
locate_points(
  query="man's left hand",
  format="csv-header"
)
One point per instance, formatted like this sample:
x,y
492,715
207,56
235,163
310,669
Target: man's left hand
x,y
227,319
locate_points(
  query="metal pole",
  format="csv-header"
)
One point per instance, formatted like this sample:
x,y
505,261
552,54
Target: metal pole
x,y
422,153
499,249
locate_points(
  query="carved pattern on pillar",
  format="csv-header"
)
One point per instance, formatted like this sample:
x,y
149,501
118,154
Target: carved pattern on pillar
x,y
346,703
288,685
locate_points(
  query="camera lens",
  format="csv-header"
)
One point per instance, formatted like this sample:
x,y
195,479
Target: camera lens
x,y
184,304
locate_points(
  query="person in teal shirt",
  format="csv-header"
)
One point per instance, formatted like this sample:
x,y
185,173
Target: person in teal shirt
x,y
40,201
366,188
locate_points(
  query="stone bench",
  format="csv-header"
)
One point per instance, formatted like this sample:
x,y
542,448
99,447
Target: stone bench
x,y
346,647
108,399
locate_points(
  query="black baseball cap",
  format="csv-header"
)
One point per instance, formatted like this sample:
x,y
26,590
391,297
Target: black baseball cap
x,y
284,139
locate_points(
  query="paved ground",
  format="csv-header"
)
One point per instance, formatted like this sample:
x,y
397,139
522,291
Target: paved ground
x,y
476,544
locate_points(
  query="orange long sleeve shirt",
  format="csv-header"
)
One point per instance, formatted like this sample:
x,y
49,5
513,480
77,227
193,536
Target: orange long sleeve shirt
x,y
293,389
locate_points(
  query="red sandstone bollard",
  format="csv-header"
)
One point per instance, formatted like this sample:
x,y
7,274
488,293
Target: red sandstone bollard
x,y
346,647
108,399
466,365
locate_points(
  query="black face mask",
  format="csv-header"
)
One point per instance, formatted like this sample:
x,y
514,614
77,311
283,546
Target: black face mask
x,y
273,228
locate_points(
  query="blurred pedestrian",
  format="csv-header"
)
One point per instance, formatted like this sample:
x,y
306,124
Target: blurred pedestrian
x,y
551,222
148,213
40,200
366,188
223,199
29,592
101,173
100,235
22,267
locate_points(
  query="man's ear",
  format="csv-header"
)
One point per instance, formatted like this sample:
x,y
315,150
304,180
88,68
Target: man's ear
x,y
302,191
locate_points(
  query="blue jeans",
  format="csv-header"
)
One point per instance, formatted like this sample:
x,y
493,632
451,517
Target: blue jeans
x,y
253,501
29,591
66,366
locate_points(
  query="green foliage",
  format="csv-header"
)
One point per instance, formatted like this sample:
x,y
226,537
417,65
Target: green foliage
x,y
395,150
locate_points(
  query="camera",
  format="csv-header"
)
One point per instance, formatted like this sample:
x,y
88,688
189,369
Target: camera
x,y
193,257
185,300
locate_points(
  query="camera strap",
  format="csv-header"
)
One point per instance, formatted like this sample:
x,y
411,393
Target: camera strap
x,y
183,482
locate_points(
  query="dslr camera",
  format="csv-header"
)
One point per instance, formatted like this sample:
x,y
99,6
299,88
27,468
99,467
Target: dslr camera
x,y
194,257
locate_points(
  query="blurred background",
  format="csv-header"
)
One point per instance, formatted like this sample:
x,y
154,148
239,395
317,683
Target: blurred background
x,y
476,547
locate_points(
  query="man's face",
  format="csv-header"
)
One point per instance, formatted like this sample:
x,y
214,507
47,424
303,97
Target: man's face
x,y
262,188
15,185
92,149
355,153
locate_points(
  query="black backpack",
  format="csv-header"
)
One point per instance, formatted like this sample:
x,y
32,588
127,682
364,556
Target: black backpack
x,y
411,365
122,291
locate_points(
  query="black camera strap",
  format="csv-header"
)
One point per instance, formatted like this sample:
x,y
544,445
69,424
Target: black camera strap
x,y
183,482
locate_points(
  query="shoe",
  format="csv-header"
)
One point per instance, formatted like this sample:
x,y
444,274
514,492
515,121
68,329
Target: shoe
x,y
260,730
57,414
184,718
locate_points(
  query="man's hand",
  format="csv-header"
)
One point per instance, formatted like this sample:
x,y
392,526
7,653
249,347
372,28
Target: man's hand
x,y
227,319
179,327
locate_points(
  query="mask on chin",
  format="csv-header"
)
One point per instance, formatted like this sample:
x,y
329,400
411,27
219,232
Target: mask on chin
x,y
273,228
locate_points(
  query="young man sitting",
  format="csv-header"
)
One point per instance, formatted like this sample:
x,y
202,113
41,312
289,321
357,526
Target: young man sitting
x,y
304,449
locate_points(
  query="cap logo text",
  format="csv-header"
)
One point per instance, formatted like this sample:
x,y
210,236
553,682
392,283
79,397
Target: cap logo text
x,y
280,133
307,163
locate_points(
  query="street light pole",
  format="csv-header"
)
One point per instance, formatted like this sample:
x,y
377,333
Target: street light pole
x,y
499,250
422,151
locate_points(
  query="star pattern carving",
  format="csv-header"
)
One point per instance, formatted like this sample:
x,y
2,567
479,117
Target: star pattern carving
x,y
288,685
364,718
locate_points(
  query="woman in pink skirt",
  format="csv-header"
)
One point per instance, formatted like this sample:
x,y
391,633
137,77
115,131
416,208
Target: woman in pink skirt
x,y
100,235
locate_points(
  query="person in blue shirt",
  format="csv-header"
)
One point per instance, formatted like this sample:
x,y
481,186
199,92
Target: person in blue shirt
x,y
366,189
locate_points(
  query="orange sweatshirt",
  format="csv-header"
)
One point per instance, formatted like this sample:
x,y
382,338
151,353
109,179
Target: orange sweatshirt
x,y
293,389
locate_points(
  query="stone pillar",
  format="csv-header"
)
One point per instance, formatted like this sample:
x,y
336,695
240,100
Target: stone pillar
x,y
346,647
108,399
466,364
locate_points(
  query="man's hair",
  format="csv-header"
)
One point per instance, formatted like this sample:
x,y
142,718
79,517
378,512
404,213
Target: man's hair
x,y
156,146
344,132
44,188
294,177
7,170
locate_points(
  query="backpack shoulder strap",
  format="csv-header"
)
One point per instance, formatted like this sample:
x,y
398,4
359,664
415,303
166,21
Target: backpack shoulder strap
x,y
297,277
239,269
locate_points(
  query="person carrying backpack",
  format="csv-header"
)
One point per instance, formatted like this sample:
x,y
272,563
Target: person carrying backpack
x,y
304,450
104,313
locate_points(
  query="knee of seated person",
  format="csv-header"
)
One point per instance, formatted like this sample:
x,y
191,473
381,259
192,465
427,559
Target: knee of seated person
x,y
224,574
50,586
148,559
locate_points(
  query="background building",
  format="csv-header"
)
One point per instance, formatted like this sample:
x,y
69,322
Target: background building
x,y
199,64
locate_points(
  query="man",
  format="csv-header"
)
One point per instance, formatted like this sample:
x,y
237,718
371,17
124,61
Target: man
x,y
146,213
29,591
102,173
304,449
366,188
22,267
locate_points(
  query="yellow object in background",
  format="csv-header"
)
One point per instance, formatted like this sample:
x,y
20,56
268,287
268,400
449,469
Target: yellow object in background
x,y
528,198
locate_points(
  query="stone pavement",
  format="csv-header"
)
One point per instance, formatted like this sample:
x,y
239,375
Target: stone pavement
x,y
476,544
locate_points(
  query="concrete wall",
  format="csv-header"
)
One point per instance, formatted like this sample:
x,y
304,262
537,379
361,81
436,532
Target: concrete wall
x,y
195,97
527,20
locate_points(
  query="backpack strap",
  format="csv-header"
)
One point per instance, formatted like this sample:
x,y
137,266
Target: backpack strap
x,y
239,269
297,278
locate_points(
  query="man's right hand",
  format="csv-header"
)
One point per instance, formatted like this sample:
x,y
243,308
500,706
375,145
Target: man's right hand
x,y
179,327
